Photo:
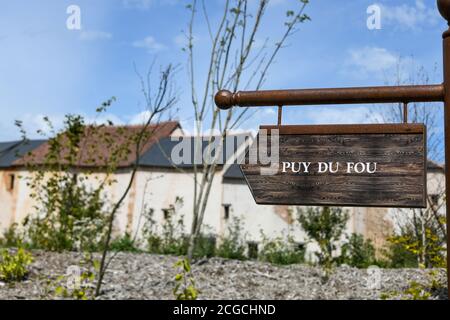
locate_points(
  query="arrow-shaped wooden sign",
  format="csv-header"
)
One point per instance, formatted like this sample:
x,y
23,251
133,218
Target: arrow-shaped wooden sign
x,y
339,165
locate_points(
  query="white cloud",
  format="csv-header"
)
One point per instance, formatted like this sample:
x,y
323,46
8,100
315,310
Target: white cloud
x,y
181,40
138,4
150,44
34,122
104,118
409,16
35,126
140,118
95,35
372,59
370,62
38,128
269,111
146,4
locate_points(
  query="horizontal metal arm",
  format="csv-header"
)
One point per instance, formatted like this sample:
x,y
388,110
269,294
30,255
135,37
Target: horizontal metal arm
x,y
405,94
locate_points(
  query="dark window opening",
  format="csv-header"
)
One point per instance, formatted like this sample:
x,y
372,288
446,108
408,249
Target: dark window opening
x,y
300,250
434,199
252,250
166,213
226,208
12,180
301,247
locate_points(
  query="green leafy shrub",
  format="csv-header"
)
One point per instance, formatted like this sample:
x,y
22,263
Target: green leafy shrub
x,y
14,266
281,251
185,288
358,252
397,256
419,291
69,213
72,204
232,246
124,243
169,240
325,226
205,246
12,237
430,255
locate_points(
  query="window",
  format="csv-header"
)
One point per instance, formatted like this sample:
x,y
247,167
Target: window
x,y
12,180
168,212
300,247
252,250
434,198
226,208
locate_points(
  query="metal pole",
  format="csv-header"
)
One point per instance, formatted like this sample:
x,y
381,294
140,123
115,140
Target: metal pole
x,y
404,94
280,114
405,113
444,9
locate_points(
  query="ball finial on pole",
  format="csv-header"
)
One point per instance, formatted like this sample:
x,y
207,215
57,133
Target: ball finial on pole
x,y
224,99
444,9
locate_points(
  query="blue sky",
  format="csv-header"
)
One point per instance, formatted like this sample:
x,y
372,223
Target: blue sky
x,y
46,69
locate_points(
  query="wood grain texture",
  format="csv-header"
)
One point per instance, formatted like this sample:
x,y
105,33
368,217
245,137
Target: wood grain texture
x,y
400,179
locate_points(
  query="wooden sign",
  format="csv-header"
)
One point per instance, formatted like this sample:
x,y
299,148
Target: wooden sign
x,y
340,165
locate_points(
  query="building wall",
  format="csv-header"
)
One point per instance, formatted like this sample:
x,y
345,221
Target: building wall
x,y
8,198
158,189
435,187
274,221
373,224
17,203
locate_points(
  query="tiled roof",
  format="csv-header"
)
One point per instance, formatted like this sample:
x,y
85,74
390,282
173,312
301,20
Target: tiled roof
x,y
159,155
12,151
96,150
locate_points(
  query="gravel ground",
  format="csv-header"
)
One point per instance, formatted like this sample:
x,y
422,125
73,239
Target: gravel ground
x,y
145,276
